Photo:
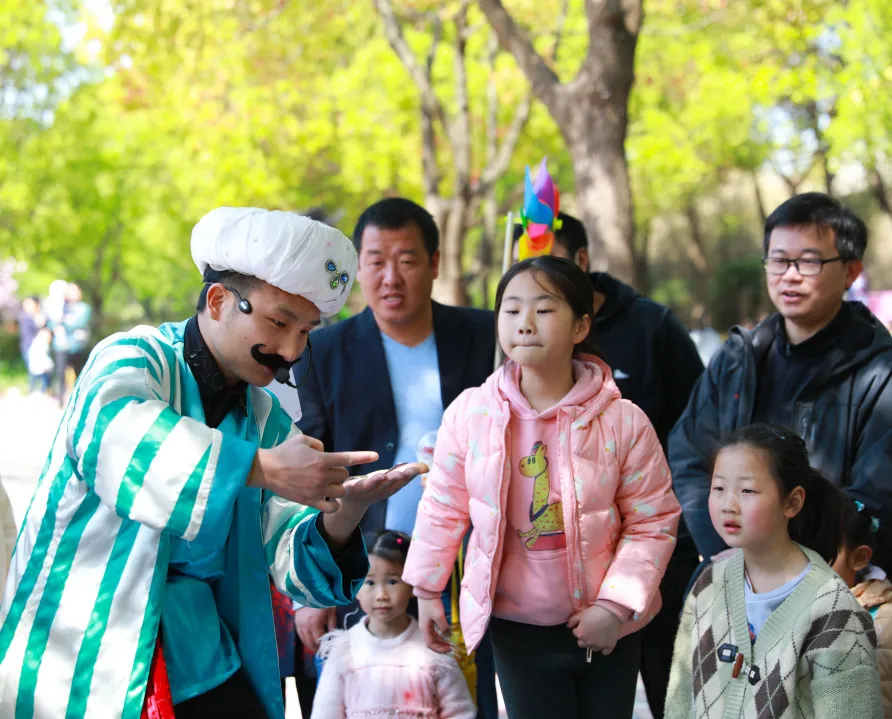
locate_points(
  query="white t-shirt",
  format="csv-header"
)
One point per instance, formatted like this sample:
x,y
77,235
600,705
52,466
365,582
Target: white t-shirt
x,y
415,381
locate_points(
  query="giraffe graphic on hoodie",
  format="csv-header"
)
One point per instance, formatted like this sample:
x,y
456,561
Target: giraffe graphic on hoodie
x,y
547,520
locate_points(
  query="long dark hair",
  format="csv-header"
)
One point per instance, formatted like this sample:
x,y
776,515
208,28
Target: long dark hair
x,y
391,546
572,285
819,523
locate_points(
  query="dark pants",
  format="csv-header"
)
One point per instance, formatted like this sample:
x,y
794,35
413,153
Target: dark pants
x,y
543,673
233,699
658,637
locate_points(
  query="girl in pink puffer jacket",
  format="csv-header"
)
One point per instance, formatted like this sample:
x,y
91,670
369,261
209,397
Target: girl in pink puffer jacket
x,y
570,498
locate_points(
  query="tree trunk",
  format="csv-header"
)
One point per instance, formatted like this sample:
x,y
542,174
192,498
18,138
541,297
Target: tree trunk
x,y
604,201
696,251
697,246
488,243
878,187
449,287
760,201
591,113
640,264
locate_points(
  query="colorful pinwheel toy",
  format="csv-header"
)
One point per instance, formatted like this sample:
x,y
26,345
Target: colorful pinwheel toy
x,y
539,215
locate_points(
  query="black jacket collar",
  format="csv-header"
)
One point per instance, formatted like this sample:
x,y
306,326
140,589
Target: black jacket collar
x,y
217,397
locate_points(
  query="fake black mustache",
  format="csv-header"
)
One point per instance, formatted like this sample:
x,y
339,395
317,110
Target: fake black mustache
x,y
278,364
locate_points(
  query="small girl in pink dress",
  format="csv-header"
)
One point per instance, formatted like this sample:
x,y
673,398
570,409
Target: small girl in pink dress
x,y
382,667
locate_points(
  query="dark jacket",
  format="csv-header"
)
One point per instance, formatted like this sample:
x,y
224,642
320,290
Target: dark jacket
x,y
347,400
843,412
655,362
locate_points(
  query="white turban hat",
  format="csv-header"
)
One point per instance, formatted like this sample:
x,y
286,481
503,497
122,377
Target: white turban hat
x,y
294,253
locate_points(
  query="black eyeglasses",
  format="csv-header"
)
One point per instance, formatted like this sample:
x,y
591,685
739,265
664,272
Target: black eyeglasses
x,y
805,266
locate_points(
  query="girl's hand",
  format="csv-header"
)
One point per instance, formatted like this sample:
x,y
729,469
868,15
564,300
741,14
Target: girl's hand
x,y
595,628
432,620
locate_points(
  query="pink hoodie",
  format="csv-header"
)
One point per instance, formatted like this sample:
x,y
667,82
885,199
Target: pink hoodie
x,y
619,512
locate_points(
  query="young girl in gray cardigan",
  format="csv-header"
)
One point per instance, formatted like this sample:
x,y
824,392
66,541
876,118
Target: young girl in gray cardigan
x,y
770,630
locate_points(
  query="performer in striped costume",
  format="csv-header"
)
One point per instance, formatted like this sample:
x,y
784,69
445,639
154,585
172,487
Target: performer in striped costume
x,y
176,486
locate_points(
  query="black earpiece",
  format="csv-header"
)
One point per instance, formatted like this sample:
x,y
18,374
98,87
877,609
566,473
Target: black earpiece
x,y
243,304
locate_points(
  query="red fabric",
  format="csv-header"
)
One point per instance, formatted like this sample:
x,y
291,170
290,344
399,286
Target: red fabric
x,y
158,703
283,620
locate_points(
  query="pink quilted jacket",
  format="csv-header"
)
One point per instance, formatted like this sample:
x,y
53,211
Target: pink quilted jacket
x,y
620,515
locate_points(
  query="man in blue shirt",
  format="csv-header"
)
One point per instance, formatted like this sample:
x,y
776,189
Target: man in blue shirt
x,y
390,371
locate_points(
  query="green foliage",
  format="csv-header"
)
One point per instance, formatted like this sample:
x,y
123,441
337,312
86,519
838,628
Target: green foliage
x,y
111,150
12,369
736,292
675,293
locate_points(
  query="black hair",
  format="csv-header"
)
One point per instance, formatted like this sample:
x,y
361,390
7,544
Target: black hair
x,y
391,546
394,213
859,525
243,284
819,523
572,284
824,212
571,236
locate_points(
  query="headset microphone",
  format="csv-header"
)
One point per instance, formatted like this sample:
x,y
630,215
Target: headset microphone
x,y
243,304
282,369
283,376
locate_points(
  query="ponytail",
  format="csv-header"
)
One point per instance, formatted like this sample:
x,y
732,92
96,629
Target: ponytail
x,y
819,524
391,546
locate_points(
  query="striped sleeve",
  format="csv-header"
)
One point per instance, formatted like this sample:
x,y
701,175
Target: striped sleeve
x,y
299,559
141,457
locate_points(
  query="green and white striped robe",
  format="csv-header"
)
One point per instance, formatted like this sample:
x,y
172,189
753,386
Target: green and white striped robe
x,y
130,469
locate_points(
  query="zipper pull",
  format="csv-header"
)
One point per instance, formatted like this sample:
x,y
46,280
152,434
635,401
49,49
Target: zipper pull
x,y
588,655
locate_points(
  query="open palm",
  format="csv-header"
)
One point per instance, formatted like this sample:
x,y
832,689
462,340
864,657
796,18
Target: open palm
x,y
366,489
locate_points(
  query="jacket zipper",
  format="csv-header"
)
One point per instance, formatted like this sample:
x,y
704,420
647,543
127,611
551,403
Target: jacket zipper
x,y
500,542
576,561
574,517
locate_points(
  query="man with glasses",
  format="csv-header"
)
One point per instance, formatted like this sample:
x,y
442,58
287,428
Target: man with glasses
x,y
819,366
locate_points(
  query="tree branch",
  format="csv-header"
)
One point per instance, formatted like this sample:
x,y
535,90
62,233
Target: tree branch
x,y
559,30
460,132
542,79
696,249
394,35
497,163
502,159
605,20
760,201
430,168
878,187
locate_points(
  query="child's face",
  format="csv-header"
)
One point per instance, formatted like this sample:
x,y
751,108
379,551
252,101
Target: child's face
x,y
537,328
745,503
384,596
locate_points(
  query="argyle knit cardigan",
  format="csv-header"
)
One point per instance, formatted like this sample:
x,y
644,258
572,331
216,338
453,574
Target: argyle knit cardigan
x,y
814,657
